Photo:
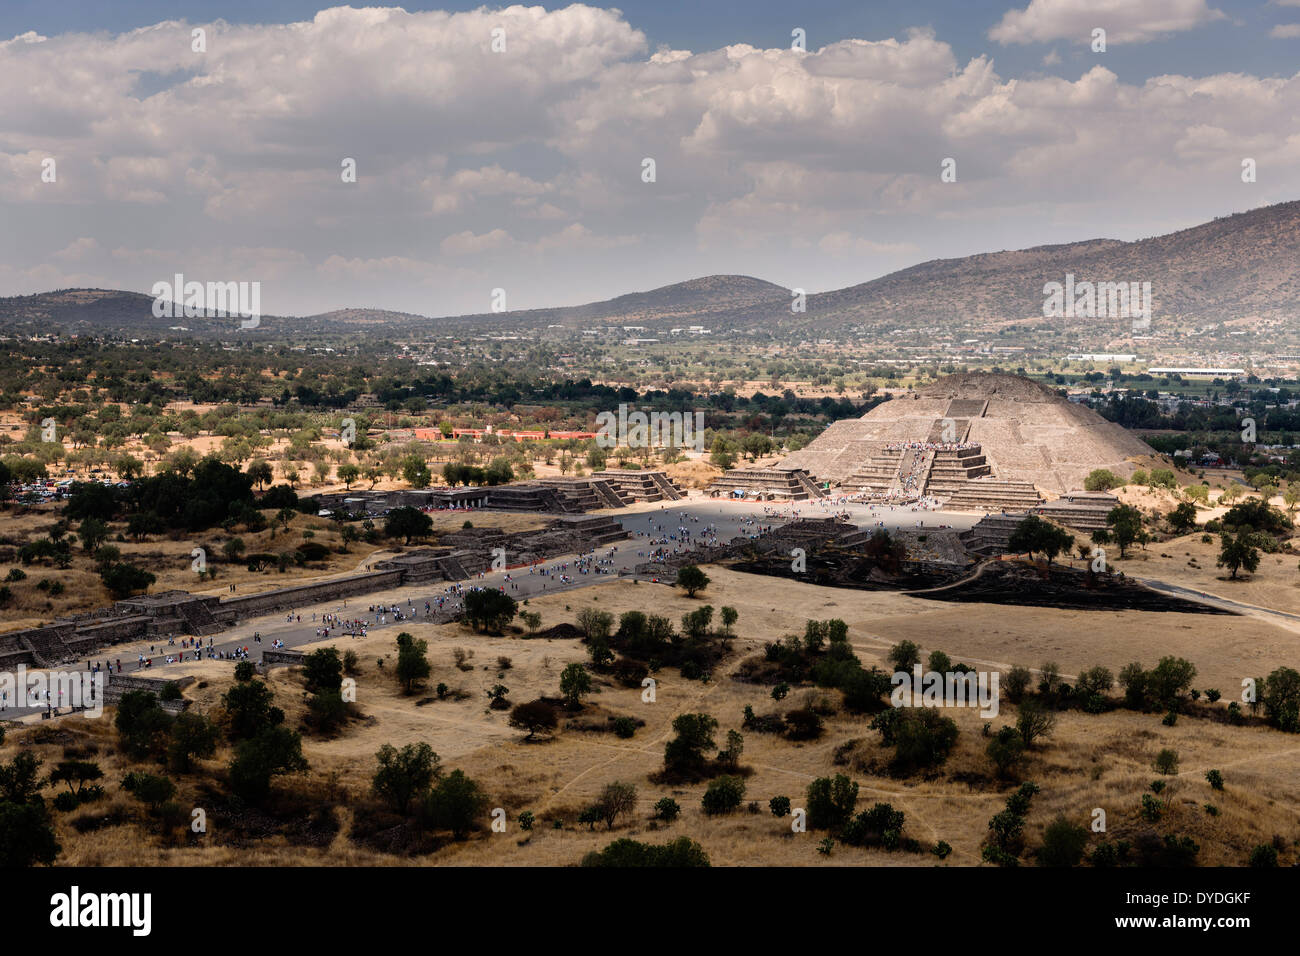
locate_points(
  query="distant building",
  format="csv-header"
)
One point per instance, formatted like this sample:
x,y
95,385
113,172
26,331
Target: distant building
x,y
1199,372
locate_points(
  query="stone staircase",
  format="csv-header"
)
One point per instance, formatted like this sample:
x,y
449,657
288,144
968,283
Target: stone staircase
x,y
768,483
913,473
991,533
198,619
995,494
47,644
640,485
1080,510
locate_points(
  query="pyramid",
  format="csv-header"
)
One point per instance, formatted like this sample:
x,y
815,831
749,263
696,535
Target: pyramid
x,y
989,427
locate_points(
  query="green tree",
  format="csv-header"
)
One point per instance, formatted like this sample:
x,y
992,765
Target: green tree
x,y
412,661
535,716
150,789
904,655
1237,552
575,683
684,754
691,579
405,775
248,707
323,670
723,794
831,802
1125,526
457,803
1033,721
141,724
1006,750
1100,479
489,610
192,735
276,750
1183,518
407,523
75,774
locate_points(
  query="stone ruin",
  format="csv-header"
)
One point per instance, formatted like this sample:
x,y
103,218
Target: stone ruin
x,y
977,441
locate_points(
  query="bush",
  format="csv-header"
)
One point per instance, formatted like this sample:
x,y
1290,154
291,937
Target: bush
x,y
682,852
1063,843
457,804
723,795
684,754
1017,682
1263,856
921,737
1215,779
831,802
1101,479
803,724
882,825
149,788
667,809
780,806
275,750
624,727
536,716
1006,750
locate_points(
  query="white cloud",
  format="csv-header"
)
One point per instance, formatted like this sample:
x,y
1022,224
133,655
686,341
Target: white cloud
x,y
523,169
1286,31
1125,21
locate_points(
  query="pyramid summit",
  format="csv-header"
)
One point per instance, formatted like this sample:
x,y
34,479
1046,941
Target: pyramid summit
x,y
993,436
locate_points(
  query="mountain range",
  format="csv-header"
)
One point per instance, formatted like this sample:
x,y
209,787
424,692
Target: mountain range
x,y
1240,268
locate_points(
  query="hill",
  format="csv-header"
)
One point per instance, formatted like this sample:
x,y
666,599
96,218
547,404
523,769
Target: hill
x,y
1243,268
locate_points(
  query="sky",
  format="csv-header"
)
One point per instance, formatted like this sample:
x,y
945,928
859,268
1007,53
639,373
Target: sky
x,y
131,151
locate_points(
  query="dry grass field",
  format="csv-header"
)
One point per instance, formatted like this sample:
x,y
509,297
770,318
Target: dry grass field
x,y
1102,761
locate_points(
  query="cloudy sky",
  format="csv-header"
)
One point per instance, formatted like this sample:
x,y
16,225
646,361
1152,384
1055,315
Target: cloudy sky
x,y
522,168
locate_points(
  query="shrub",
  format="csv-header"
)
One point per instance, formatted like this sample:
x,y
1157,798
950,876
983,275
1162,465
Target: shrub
x,y
1215,779
457,803
682,852
684,754
904,655
723,794
1166,761
536,716
275,750
1263,856
780,806
667,809
616,800
1017,682
1063,843
1034,721
1006,750
831,802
